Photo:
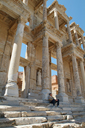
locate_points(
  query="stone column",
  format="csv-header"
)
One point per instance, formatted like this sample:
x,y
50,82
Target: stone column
x,y
56,19
62,96
11,87
50,71
69,32
26,81
76,37
76,76
25,2
79,97
45,68
82,73
82,38
44,10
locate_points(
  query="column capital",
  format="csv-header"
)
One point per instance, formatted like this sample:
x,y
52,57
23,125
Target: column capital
x,y
22,20
59,44
45,34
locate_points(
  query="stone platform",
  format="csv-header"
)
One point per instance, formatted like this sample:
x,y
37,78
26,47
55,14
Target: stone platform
x,y
27,113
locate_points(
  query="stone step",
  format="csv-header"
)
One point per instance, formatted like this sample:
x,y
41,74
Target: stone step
x,y
52,113
12,114
13,108
40,108
21,121
56,118
67,125
73,109
78,110
41,125
81,114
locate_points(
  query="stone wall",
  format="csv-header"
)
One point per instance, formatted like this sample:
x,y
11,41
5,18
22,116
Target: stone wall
x,y
5,53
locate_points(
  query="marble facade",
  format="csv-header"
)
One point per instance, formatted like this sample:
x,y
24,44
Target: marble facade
x,y
47,33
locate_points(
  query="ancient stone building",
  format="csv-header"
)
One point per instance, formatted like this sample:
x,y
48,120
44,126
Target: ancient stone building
x,y
48,34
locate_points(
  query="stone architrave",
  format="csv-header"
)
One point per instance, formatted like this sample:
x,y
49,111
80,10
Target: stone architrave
x,y
25,2
79,97
56,19
69,32
83,42
45,68
62,95
76,37
44,10
11,87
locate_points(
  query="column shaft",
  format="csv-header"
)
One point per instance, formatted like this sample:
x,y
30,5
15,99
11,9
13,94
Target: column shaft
x,y
69,32
56,20
83,42
60,70
44,11
50,71
26,81
45,64
45,68
82,73
61,96
76,37
11,87
76,76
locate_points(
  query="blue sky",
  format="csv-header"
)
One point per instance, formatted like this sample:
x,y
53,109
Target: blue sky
x,y
75,9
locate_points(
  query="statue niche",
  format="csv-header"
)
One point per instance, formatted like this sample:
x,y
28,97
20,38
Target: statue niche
x,y
39,81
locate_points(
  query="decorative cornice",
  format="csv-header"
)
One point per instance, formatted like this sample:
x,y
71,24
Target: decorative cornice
x,y
74,26
60,8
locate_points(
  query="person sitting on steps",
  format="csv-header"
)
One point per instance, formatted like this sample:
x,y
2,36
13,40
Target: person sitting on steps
x,y
52,100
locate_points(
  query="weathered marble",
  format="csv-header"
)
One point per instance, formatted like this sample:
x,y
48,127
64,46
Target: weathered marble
x,y
11,87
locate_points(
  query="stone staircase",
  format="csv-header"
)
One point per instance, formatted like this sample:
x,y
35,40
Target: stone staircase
x,y
28,113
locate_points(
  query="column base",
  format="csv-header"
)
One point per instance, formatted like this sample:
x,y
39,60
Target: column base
x,y
45,94
63,97
11,90
80,99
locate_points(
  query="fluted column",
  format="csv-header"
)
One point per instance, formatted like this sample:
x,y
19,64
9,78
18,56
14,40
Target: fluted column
x,y
11,87
45,68
82,38
76,37
69,32
44,10
62,96
25,2
82,73
56,19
